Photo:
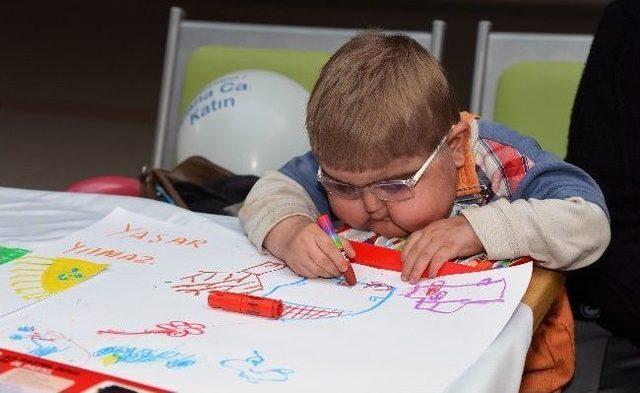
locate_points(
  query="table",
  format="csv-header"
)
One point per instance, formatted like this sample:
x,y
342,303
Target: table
x,y
29,216
543,289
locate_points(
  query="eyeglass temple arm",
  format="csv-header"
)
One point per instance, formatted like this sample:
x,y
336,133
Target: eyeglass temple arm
x,y
424,166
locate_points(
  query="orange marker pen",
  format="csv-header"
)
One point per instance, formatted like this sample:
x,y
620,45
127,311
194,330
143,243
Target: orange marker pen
x,y
246,304
325,223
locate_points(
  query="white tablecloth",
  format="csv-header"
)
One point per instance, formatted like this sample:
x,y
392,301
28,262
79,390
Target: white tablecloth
x,y
28,217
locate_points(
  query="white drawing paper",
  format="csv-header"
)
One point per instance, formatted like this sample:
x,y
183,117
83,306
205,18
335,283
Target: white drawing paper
x,y
151,322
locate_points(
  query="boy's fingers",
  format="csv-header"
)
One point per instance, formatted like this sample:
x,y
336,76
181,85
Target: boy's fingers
x,y
415,238
308,265
439,258
404,255
301,270
423,260
321,264
412,257
407,267
351,253
434,267
408,245
322,260
319,271
338,260
335,256
418,268
329,267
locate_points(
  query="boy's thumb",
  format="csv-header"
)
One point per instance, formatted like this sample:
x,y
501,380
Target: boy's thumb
x,y
348,248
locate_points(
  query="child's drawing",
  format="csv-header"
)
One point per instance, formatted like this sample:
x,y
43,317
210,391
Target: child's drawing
x,y
246,281
126,325
45,343
9,254
440,297
307,299
171,329
35,277
301,311
124,354
40,344
253,370
146,235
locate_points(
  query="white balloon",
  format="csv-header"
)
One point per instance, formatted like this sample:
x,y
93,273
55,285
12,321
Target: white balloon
x,y
248,121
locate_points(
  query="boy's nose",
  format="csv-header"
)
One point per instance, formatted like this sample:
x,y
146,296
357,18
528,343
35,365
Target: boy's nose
x,y
371,202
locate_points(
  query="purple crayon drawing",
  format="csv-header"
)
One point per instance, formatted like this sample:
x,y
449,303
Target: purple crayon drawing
x,y
440,297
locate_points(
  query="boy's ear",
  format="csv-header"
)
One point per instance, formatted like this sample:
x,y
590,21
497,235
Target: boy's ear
x,y
457,140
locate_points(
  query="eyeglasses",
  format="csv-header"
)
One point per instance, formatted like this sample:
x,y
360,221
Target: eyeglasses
x,y
386,190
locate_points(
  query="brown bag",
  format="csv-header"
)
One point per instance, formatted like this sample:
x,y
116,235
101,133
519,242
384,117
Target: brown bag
x,y
158,183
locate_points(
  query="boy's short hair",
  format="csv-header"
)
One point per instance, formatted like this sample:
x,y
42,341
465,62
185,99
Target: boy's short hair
x,y
379,97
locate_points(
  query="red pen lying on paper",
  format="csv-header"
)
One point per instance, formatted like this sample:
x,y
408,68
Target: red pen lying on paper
x,y
246,304
325,223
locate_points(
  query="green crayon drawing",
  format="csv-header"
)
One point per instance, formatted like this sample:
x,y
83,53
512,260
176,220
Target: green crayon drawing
x,y
9,254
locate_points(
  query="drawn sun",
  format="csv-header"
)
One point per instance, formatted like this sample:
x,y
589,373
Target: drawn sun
x,y
36,277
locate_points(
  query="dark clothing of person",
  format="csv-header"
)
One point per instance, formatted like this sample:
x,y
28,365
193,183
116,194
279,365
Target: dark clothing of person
x,y
604,140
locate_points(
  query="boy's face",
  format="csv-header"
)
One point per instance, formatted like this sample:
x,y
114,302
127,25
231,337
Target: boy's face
x,y
433,194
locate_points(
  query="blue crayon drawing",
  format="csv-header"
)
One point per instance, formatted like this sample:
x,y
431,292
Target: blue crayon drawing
x,y
40,344
44,351
172,359
253,370
181,362
361,298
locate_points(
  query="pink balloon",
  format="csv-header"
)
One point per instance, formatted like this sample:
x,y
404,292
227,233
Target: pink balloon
x,y
112,185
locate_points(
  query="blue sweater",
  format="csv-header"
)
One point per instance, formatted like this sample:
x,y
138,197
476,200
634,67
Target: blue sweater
x,y
547,177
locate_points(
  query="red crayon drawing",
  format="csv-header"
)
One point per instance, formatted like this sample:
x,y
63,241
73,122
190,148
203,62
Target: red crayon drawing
x,y
378,286
246,281
147,236
79,248
301,311
171,329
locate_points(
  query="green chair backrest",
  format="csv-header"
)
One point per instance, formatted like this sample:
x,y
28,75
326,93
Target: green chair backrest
x,y
210,62
535,99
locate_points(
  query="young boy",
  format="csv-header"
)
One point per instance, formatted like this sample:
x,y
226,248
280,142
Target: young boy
x,y
392,154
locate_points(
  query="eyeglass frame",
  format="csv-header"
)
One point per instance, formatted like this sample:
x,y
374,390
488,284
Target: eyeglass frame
x,y
411,181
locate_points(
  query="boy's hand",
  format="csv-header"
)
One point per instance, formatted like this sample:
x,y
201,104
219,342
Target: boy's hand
x,y
437,243
307,250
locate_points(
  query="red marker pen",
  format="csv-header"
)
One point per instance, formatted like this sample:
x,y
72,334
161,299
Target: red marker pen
x,y
246,304
325,223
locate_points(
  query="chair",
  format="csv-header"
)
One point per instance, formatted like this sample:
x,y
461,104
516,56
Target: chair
x,y
198,52
528,81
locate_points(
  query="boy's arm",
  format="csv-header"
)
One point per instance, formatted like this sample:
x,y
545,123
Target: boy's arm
x,y
560,233
279,215
291,191
556,213
272,199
